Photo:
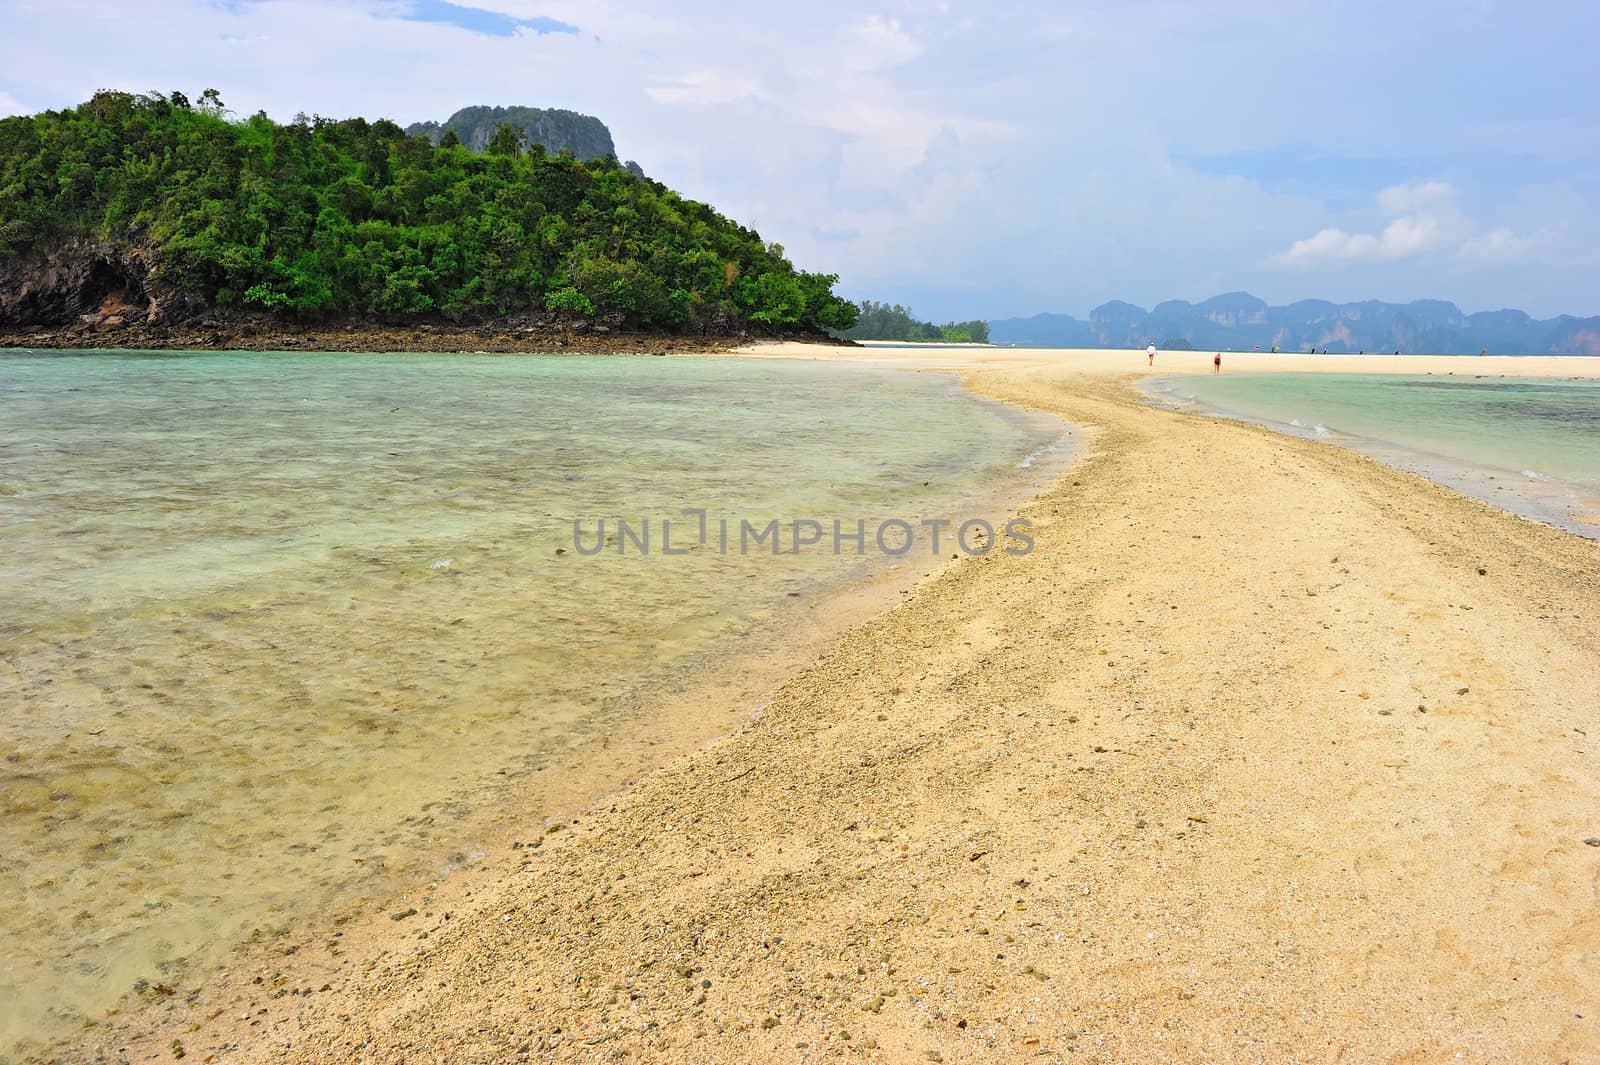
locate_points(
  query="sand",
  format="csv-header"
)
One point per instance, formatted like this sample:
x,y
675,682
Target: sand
x,y
1267,752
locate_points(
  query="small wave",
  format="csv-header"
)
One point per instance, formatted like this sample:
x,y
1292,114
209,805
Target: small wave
x,y
1535,475
1297,423
443,563
1320,429
1040,452
1033,456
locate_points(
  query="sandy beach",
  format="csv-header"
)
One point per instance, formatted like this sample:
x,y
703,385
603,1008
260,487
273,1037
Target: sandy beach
x,y
1266,752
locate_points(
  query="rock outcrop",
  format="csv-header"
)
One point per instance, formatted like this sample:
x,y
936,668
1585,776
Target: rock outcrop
x,y
584,135
88,285
74,282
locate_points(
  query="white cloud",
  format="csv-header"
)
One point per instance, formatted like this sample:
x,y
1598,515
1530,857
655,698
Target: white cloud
x,y
878,43
1423,197
1501,246
1400,239
9,105
706,88
1425,219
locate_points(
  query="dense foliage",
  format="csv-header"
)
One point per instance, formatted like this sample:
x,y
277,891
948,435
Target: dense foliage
x,y
322,217
883,321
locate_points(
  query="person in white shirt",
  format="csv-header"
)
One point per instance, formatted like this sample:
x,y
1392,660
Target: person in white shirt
x,y
1151,351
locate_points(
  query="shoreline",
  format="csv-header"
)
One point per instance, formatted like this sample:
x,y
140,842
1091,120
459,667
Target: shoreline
x,y
899,856
695,709
264,335
1552,501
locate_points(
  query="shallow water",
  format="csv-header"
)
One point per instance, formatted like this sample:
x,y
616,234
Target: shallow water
x,y
1531,445
275,626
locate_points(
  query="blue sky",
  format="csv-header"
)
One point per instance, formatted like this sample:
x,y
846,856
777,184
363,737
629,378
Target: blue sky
x,y
980,160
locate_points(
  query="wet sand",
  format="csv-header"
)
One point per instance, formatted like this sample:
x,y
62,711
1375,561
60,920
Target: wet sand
x,y
1266,752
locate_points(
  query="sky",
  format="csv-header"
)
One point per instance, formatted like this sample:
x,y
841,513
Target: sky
x,y
979,160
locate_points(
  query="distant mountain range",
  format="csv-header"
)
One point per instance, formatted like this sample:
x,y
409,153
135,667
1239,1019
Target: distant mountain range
x,y
1240,321
584,135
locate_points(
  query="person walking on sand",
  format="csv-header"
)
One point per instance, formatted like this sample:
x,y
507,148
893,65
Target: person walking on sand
x,y
1151,351
1216,363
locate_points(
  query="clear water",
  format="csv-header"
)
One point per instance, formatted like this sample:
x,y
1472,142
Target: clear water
x,y
274,626
1529,444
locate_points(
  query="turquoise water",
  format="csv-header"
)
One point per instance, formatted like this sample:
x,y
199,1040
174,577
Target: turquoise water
x,y
277,627
1529,444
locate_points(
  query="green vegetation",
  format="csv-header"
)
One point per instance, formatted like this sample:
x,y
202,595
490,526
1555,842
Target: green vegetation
x,y
323,218
882,321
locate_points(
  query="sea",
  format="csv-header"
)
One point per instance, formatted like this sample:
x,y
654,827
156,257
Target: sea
x,y
278,631
1528,444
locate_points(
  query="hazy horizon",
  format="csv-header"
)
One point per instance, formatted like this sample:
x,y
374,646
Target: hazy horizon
x,y
1083,313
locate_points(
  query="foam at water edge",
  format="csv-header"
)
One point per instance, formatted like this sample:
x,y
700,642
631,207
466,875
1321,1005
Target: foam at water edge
x,y
1041,451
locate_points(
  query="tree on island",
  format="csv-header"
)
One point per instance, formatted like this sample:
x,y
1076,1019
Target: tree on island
x,y
322,218
507,140
883,321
